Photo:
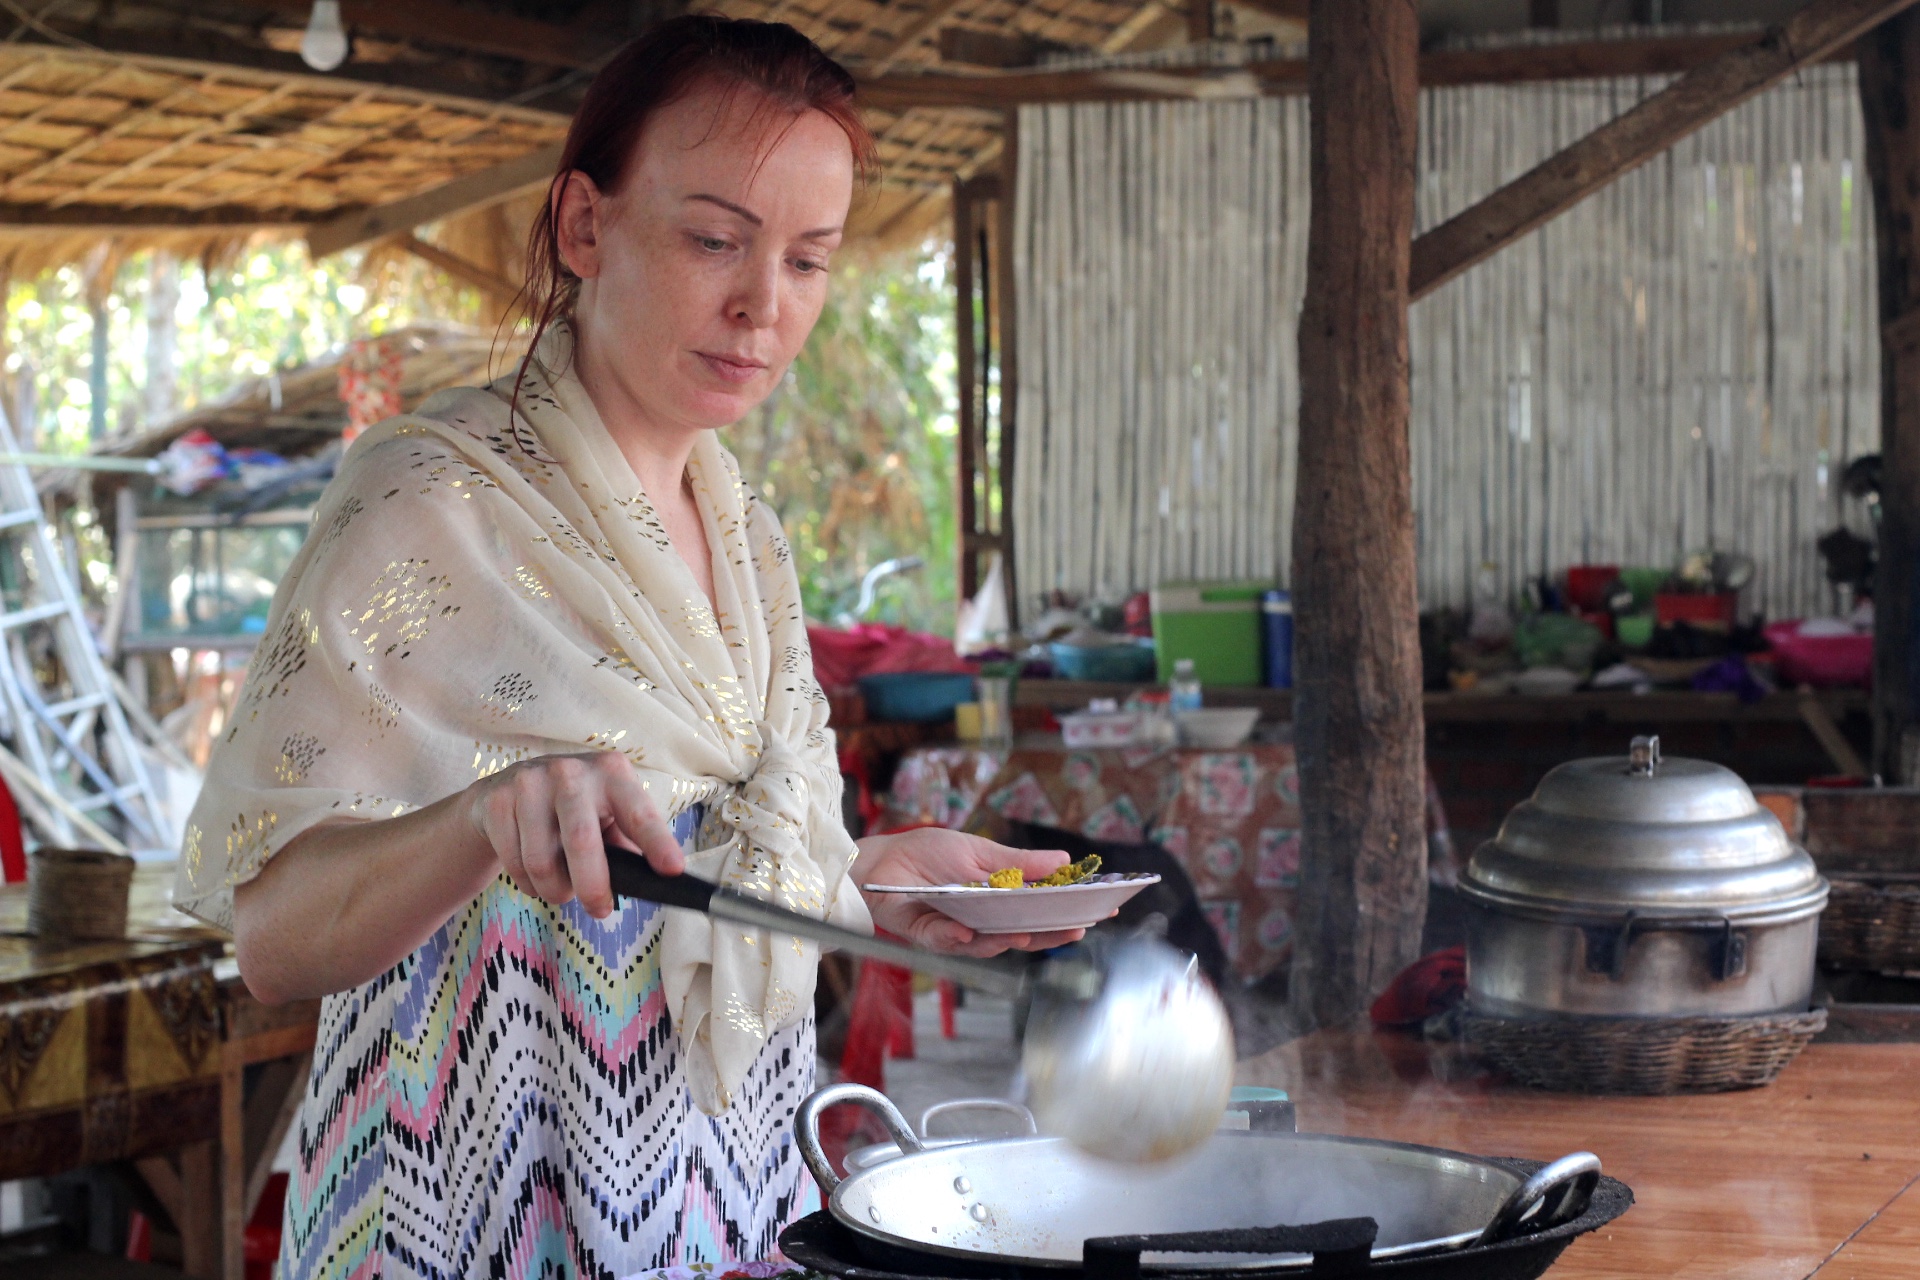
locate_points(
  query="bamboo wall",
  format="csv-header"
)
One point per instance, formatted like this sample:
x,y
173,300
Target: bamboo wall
x,y
1684,361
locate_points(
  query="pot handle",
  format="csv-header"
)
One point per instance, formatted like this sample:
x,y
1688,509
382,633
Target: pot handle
x,y
1556,1193
1607,945
806,1125
1340,1246
939,1109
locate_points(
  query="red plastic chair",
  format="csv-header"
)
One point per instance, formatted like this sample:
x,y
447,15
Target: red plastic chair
x,y
13,849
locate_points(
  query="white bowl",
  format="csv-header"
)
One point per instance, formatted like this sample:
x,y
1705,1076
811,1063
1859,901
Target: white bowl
x,y
1034,910
1217,728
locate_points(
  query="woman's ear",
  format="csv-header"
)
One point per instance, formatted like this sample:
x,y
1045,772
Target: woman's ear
x,y
578,210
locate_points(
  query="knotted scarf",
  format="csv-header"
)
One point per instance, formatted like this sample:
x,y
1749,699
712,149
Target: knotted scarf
x,y
484,585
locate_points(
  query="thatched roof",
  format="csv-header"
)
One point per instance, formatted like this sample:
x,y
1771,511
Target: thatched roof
x,y
162,121
193,121
298,411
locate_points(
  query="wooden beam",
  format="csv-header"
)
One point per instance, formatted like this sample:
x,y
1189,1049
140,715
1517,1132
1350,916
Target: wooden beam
x,y
481,79
1134,28
903,93
1820,723
1287,10
1579,60
922,26
460,268
459,26
18,218
1890,111
1001,50
1006,316
1199,21
476,190
1357,711
1631,139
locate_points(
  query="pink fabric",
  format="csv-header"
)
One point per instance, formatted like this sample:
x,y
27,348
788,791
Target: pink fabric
x,y
873,648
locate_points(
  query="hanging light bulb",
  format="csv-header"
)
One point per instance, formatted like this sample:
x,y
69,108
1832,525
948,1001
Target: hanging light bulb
x,y
324,46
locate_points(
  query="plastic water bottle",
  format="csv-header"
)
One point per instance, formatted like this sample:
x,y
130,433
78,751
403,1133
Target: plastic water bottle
x,y
1183,691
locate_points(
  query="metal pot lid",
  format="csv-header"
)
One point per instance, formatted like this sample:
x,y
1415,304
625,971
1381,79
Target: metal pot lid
x,y
1670,838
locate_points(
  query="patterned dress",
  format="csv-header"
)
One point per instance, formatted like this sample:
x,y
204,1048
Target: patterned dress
x,y
509,1101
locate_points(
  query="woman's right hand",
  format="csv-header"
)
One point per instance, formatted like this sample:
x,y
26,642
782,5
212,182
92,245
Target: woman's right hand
x,y
549,821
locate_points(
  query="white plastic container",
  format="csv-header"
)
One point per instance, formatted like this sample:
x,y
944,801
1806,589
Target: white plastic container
x,y
1083,729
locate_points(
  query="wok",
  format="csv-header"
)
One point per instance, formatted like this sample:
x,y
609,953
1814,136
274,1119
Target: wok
x,y
1036,1202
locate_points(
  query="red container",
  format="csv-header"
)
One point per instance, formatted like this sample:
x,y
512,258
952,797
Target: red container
x,y
1708,610
1825,662
1586,584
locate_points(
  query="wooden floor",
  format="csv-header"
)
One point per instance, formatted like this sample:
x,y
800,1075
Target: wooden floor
x,y
1817,1175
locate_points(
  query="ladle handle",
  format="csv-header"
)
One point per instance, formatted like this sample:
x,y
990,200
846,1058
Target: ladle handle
x,y
632,877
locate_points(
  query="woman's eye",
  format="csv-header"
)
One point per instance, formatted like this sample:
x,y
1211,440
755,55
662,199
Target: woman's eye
x,y
712,244
807,266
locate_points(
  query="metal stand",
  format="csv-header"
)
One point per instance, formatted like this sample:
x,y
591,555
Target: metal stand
x,y
73,763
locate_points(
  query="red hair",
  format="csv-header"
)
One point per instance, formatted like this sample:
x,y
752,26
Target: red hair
x,y
770,59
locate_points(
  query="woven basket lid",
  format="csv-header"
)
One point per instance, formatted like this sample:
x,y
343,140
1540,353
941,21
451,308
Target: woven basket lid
x,y
1667,838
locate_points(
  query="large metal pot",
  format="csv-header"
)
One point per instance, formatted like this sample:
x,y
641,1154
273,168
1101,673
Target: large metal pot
x,y
1636,887
1036,1202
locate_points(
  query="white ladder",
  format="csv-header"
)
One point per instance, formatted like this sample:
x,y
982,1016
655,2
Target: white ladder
x,y
74,765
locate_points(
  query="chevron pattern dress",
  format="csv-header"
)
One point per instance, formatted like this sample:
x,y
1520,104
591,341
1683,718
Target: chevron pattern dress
x,y
509,1102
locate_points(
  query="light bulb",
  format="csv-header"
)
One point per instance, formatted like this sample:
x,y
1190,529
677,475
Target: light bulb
x,y
324,46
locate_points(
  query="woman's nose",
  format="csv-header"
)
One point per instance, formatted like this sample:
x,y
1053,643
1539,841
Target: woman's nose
x,y
757,295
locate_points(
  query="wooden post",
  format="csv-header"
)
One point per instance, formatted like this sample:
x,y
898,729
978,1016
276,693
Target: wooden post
x,y
1357,706
1199,21
1890,103
967,355
1007,316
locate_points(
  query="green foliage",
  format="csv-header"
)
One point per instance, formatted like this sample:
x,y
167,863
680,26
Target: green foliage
x,y
270,308
856,450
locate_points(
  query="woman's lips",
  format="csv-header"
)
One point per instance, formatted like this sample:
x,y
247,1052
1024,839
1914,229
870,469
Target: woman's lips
x,y
731,368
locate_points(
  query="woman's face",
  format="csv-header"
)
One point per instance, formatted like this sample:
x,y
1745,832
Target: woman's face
x,y
703,274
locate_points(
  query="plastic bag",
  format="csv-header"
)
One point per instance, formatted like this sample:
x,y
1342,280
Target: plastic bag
x,y
982,623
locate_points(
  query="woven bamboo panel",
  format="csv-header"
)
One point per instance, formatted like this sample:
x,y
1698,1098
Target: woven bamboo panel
x,y
1685,360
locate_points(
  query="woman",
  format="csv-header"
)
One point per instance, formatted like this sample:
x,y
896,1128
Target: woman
x,y
532,620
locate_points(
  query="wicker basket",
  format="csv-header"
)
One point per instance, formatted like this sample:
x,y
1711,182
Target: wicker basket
x,y
1643,1055
78,894
1871,922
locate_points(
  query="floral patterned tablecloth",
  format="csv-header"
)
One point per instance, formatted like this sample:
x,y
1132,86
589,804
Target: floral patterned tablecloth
x,y
1230,818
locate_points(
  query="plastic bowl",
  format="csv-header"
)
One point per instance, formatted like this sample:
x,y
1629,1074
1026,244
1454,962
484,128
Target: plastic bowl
x,y
1216,728
1634,629
1822,661
915,697
1111,663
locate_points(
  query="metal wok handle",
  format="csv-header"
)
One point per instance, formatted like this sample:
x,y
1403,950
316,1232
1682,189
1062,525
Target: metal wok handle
x,y
1556,1193
807,1127
1340,1247
938,1109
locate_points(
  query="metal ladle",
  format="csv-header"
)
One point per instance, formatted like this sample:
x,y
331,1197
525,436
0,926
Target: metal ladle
x,y
1128,1053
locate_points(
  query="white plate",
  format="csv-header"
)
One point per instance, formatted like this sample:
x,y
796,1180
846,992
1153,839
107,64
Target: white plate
x,y
1065,906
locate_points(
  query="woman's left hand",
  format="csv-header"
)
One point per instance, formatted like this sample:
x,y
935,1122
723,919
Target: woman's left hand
x,y
935,855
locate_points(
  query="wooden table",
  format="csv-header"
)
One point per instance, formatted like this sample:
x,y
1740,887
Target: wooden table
x,y
148,1051
1818,1174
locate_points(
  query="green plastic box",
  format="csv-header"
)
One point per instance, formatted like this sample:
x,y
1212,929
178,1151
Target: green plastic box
x,y
1217,624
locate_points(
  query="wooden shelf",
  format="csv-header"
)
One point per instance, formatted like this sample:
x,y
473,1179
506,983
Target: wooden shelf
x,y
1669,707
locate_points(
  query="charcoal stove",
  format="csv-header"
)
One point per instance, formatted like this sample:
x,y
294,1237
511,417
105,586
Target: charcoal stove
x,y
1340,1248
